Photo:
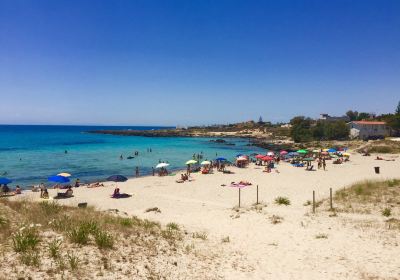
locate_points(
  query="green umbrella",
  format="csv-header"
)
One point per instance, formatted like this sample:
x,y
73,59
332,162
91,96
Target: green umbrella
x,y
302,151
308,159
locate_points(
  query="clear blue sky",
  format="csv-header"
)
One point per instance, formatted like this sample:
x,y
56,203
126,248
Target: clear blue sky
x,y
195,62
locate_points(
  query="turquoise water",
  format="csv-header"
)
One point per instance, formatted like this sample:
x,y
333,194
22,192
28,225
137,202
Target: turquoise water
x,y
29,154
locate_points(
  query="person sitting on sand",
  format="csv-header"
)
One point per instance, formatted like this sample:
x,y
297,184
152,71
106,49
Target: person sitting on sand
x,y
379,158
77,182
116,192
35,189
17,190
96,185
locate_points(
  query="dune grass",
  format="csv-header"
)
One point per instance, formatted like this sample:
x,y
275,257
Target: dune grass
x,y
370,196
25,228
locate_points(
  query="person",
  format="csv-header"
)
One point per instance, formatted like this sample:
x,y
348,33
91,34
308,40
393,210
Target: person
x,y
45,194
65,152
34,189
137,171
121,157
5,189
77,182
42,188
152,170
323,164
18,190
116,192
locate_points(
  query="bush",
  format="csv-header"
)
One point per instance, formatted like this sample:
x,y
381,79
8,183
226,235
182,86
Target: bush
x,y
104,240
50,208
73,261
79,235
30,258
200,235
173,226
387,212
54,248
280,200
26,239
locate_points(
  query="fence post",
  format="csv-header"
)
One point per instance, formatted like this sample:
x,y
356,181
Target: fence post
x,y
330,199
313,201
239,197
257,194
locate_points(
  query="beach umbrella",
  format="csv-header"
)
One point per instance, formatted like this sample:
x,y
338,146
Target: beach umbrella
x,y
324,153
192,161
220,159
334,156
302,151
267,158
161,165
346,154
5,181
270,154
64,174
239,155
316,151
206,162
331,150
241,158
58,179
283,152
308,159
293,154
260,156
117,178
325,150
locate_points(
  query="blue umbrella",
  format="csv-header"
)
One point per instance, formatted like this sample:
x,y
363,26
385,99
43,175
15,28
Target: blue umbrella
x,y
220,159
58,179
239,155
293,154
331,150
117,178
4,180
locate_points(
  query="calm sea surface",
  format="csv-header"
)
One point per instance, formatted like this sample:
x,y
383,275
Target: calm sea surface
x,y
29,154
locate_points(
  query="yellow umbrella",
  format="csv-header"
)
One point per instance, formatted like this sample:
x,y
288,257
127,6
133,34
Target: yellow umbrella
x,y
192,161
64,174
346,154
325,150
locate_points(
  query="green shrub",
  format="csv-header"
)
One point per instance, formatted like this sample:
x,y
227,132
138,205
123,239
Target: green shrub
x,y
280,200
172,226
200,235
25,239
79,235
73,261
30,258
104,240
321,236
126,222
387,212
54,248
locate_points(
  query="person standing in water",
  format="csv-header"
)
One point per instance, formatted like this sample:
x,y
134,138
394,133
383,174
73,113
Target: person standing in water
x,y
137,171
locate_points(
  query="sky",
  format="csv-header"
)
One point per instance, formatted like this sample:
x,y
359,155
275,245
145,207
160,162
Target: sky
x,y
147,62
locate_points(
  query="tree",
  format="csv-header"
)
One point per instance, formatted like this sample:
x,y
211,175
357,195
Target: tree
x,y
301,129
363,116
353,115
397,112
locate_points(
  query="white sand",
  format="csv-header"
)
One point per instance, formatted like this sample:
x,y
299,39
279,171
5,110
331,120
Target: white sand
x,y
259,249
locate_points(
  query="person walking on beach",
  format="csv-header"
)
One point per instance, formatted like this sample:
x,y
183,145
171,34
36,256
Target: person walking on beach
x,y
153,170
324,164
137,171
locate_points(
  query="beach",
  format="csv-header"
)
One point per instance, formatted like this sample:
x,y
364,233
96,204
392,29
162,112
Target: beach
x,y
250,245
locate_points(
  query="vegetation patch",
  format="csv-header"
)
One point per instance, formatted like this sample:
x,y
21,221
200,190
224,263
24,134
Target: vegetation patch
x,y
281,200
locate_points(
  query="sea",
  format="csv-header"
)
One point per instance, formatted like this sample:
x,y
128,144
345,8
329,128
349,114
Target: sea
x,y
29,154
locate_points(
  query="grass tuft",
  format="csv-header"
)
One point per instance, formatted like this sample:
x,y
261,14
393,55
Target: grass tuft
x,y
26,239
281,200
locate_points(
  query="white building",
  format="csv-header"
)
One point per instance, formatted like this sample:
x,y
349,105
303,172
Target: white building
x,y
326,117
368,129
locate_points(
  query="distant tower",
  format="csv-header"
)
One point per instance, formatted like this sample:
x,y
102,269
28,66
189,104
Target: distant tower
x,y
260,120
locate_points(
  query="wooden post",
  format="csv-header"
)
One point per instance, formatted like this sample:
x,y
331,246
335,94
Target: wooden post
x,y
330,198
313,201
239,197
257,194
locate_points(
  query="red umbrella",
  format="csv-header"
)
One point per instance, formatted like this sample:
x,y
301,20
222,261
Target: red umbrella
x,y
260,156
283,152
267,158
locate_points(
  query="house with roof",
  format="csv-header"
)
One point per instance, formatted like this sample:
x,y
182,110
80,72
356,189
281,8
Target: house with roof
x,y
368,130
